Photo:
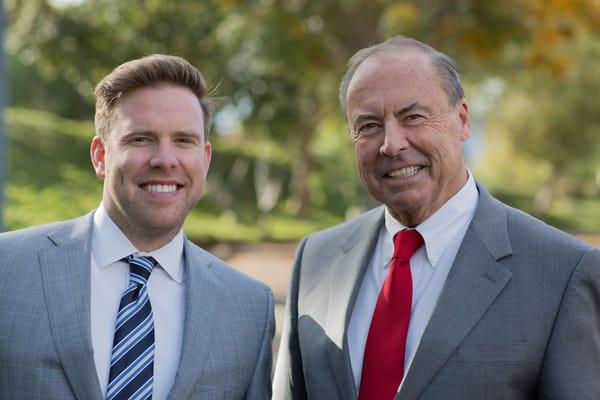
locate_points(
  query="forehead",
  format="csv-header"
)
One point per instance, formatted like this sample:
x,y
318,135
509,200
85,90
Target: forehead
x,y
394,79
159,105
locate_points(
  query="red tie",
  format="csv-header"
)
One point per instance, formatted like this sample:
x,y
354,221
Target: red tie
x,y
383,363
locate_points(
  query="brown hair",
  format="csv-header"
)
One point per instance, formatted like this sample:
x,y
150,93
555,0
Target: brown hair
x,y
144,72
444,65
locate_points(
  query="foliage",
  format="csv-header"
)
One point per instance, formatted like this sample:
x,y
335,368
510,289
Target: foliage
x,y
553,122
545,128
281,146
43,147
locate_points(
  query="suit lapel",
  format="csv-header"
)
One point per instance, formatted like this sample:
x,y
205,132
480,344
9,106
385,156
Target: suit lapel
x,y
201,307
475,280
344,281
65,271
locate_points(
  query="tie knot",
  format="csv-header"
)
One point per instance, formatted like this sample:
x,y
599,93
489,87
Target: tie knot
x,y
406,242
140,268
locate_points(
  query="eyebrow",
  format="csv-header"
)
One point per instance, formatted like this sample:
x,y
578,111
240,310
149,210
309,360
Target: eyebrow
x,y
154,133
364,117
187,133
411,107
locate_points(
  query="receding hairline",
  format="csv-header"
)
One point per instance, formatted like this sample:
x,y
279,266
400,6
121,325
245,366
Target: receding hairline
x,y
443,66
401,56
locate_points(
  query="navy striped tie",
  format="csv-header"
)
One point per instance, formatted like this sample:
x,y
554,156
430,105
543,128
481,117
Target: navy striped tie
x,y
132,361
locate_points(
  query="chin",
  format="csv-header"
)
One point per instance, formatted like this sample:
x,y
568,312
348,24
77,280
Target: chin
x,y
162,224
406,205
405,199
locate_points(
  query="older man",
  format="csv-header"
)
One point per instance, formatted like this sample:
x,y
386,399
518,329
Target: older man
x,y
443,292
119,304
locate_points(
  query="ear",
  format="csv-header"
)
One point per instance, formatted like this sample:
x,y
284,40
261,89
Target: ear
x,y
207,157
464,120
98,154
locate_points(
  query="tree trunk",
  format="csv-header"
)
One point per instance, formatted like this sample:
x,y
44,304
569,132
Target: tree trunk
x,y
3,103
304,166
545,195
302,170
266,187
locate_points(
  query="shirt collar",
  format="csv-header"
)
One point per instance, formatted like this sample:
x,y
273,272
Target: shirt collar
x,y
441,227
110,245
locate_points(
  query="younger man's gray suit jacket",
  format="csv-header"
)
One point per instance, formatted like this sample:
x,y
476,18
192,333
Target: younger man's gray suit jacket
x,y
518,317
45,335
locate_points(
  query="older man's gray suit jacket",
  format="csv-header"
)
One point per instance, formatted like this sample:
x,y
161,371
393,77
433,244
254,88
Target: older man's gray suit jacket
x,y
45,335
518,318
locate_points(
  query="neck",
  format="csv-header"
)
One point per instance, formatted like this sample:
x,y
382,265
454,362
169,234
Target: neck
x,y
144,239
412,217
149,244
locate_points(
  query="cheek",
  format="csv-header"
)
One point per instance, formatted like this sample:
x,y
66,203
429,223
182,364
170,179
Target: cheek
x,y
196,166
366,149
445,158
439,145
363,168
124,166
121,177
452,148
362,159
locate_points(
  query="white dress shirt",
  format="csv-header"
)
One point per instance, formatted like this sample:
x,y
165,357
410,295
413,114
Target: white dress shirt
x,y
109,278
442,233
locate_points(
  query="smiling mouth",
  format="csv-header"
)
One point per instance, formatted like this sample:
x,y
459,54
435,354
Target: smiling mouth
x,y
404,172
160,188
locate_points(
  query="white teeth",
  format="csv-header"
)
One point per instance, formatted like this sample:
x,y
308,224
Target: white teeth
x,y
404,172
161,188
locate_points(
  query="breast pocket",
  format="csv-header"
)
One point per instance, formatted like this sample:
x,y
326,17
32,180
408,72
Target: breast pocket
x,y
493,352
224,378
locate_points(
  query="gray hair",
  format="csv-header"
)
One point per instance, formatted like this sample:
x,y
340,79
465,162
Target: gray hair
x,y
443,64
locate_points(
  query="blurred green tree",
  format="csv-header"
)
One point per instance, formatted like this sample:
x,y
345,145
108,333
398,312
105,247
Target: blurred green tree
x,y
555,119
279,62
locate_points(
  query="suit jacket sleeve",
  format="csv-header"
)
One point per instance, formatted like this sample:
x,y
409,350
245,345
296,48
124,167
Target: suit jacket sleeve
x,y
260,384
289,379
572,363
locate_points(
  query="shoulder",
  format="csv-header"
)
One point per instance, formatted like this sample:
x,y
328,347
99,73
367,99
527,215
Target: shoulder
x,y
348,232
321,249
238,295
228,276
42,235
527,228
533,239
21,247
536,239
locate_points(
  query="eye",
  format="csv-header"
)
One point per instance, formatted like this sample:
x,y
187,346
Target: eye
x,y
139,140
412,118
185,140
369,128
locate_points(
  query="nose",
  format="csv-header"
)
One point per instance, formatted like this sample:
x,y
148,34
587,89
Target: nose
x,y
394,139
164,156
